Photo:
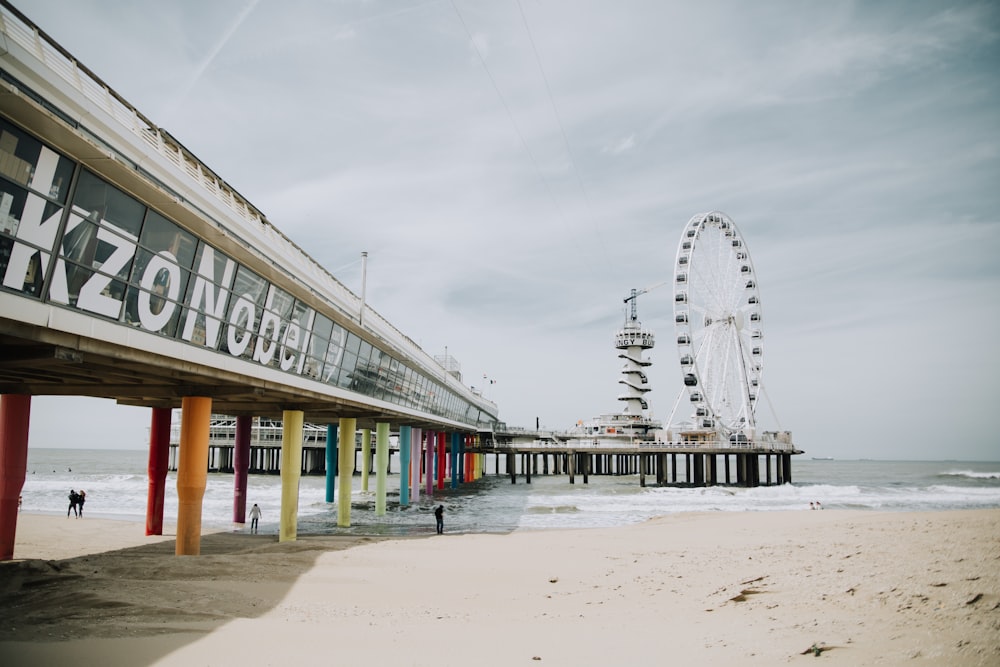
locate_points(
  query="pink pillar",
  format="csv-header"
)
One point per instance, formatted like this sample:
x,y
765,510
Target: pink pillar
x,y
15,416
241,465
156,470
442,460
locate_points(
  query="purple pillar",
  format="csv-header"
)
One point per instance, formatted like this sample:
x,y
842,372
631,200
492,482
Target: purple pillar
x,y
241,464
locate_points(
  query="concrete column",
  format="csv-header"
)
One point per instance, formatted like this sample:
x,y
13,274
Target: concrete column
x,y
331,461
456,460
405,433
241,465
416,443
15,417
291,473
345,469
192,472
381,465
157,468
366,456
442,461
429,463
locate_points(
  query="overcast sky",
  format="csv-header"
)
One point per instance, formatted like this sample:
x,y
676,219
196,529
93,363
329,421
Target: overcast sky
x,y
514,168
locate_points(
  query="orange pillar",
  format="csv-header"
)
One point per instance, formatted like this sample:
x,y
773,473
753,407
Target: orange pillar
x,y
15,413
192,472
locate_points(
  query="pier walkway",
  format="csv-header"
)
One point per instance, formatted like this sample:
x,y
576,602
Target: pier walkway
x,y
130,270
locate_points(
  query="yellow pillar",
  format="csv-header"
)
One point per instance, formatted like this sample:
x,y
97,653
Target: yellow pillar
x,y
192,472
366,455
381,465
291,471
345,469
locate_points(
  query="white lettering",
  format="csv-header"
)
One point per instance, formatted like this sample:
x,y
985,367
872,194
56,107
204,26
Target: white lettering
x,y
32,229
214,301
59,289
289,345
164,264
268,333
310,320
93,295
242,317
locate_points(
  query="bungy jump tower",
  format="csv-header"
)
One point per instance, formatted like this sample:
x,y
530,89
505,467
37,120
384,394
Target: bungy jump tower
x,y
632,424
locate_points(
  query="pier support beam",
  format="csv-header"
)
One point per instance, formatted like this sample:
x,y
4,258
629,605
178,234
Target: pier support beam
x,y
442,461
345,469
15,417
241,465
156,469
366,457
416,450
455,460
405,433
192,472
381,465
291,473
331,461
429,463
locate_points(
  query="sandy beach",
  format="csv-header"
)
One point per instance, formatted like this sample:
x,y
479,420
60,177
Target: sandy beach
x,y
748,588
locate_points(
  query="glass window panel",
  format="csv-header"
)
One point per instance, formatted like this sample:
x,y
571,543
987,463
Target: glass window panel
x,y
353,343
102,202
161,282
219,260
166,313
22,161
365,353
321,329
249,286
347,367
160,234
33,273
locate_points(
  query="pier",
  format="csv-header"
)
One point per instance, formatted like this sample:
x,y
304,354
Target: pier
x,y
527,454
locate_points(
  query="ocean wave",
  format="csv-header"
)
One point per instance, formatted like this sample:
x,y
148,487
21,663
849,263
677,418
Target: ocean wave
x,y
559,509
971,474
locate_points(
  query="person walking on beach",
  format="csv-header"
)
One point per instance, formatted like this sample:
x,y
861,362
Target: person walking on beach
x,y
254,516
81,497
439,518
74,500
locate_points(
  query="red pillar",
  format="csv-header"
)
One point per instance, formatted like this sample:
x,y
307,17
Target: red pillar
x,y
159,462
442,460
241,464
15,414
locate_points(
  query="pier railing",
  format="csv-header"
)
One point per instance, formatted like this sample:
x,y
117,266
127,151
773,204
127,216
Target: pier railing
x,y
597,444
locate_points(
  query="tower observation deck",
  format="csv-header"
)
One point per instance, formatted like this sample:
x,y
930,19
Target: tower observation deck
x,y
632,341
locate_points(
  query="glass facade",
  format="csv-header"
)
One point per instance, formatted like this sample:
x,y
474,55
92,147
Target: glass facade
x,y
68,237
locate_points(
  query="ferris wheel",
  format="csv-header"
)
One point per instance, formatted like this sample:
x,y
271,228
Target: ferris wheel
x,y
717,316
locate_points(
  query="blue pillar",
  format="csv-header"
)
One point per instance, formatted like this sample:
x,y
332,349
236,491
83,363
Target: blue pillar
x,y
454,460
331,460
404,465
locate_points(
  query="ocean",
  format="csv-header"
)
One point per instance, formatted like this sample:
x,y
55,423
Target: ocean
x,y
116,486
